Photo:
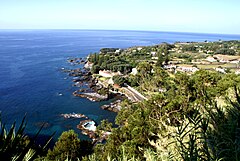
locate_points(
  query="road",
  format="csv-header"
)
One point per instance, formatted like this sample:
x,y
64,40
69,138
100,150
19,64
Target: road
x,y
133,94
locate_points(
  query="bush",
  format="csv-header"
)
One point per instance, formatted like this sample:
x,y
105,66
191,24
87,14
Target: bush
x,y
15,145
189,48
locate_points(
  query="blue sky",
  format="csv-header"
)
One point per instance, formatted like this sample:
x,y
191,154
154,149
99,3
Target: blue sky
x,y
202,16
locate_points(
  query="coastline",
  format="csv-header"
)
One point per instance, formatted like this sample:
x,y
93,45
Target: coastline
x,y
88,88
42,100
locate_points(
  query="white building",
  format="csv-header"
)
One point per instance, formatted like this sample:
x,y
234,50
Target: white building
x,y
187,69
155,58
118,51
227,58
153,53
170,66
88,65
211,59
134,71
237,71
221,70
234,62
108,73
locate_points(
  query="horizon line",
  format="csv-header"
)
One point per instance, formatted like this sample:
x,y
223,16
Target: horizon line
x,y
132,30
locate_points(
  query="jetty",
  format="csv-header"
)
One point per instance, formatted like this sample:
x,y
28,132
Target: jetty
x,y
74,115
91,96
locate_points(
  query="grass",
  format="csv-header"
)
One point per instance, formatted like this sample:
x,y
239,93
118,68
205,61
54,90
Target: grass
x,y
102,79
212,66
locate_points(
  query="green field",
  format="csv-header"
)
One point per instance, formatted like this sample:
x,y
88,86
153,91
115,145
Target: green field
x,y
212,66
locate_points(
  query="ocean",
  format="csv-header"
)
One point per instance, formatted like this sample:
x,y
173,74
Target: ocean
x,y
31,77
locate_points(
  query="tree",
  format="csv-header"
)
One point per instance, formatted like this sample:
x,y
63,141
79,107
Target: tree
x,y
67,146
100,59
144,68
119,80
225,51
95,58
95,69
189,48
160,60
105,126
133,80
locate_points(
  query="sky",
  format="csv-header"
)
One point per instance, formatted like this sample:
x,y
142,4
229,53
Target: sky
x,y
200,16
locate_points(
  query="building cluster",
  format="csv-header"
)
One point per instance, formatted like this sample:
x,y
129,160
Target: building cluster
x,y
223,59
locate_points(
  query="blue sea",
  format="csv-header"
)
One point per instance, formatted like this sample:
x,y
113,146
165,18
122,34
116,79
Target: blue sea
x,y
31,79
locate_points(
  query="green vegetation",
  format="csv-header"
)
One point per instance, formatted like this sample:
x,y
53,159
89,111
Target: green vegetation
x,y
119,80
125,60
111,62
184,123
108,50
15,145
225,51
189,48
187,116
220,47
212,66
69,147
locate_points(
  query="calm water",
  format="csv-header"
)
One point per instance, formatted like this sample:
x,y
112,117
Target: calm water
x,y
30,76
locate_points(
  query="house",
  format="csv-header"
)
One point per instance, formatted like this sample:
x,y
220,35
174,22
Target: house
x,y
235,61
221,70
179,51
118,51
155,58
227,58
187,69
162,90
237,71
170,66
88,65
209,51
116,86
134,71
108,73
153,53
211,59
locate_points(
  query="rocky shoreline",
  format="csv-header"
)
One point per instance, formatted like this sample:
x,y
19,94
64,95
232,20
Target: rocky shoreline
x,y
88,127
91,96
91,89
113,106
76,61
74,115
